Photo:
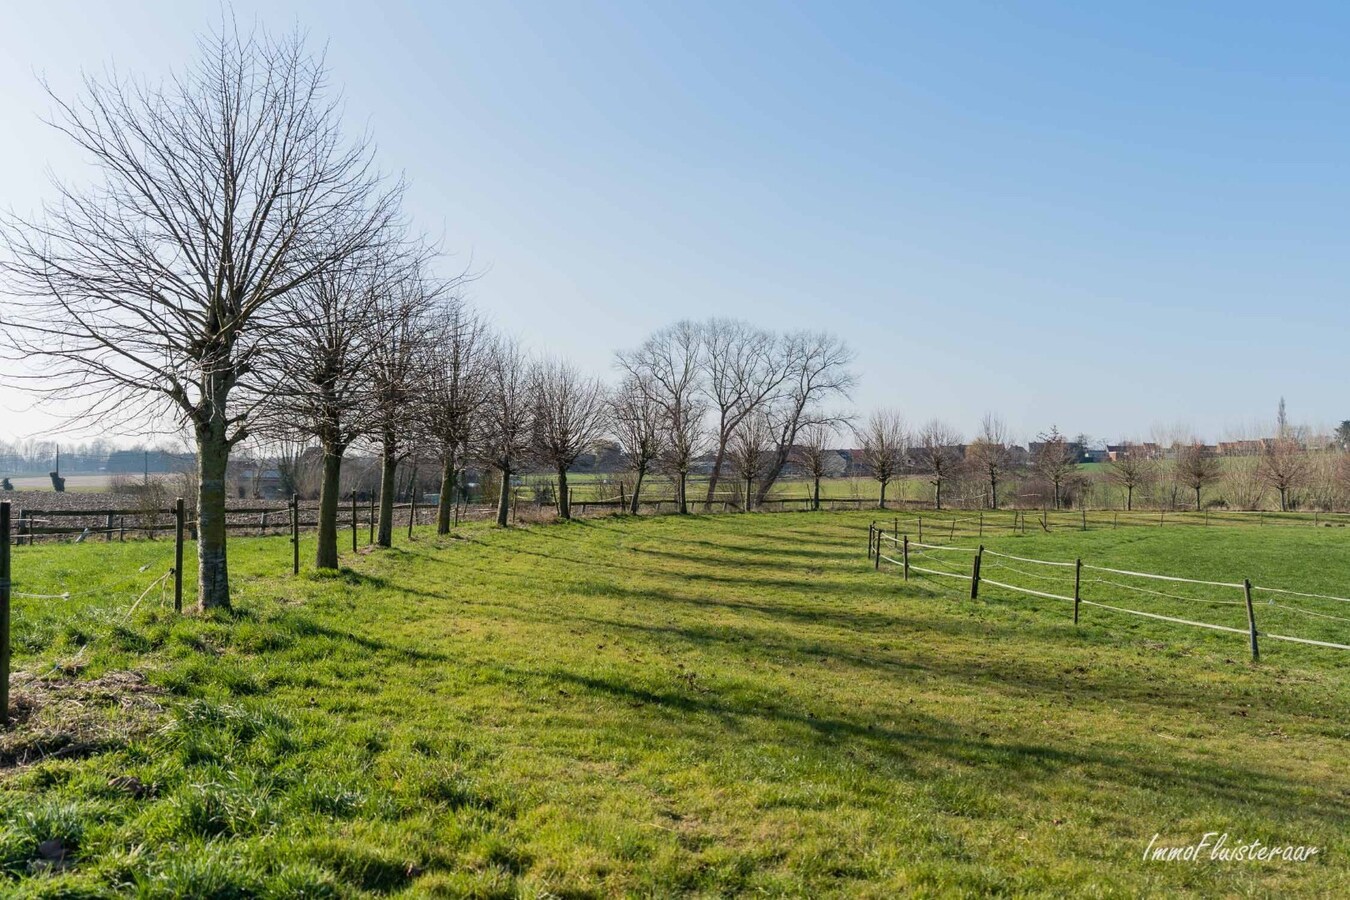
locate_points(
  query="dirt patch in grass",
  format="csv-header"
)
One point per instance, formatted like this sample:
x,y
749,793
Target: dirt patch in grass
x,y
65,717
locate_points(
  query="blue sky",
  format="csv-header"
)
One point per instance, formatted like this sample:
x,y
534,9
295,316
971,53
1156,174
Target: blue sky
x,y
1104,217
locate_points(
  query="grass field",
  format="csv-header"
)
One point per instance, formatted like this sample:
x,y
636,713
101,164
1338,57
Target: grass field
x,y
703,706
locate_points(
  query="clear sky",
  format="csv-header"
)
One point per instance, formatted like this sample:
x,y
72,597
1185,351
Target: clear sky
x,y
1100,216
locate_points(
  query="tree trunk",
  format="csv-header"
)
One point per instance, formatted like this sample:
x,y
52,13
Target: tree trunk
x,y
1283,506
1197,499
564,501
504,499
1129,497
937,496
637,489
326,556
716,469
749,485
881,503
815,496
384,535
446,501
213,572
993,491
681,488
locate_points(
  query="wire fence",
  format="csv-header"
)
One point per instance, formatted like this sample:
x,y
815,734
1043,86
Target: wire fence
x,y
1300,617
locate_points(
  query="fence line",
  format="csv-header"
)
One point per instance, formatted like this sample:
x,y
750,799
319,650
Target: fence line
x,y
877,535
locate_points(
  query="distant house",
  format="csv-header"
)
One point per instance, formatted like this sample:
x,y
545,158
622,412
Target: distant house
x,y
1242,448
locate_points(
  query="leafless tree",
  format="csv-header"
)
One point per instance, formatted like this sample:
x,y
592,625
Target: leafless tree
x,y
1198,467
744,371
319,380
1055,461
937,454
989,453
812,451
884,444
406,297
636,419
455,392
818,370
503,436
1283,463
1132,468
570,417
219,191
668,368
749,449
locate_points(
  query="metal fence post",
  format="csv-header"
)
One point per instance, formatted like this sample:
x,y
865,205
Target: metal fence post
x,y
975,574
4,612
295,534
178,520
1077,583
1251,618
906,557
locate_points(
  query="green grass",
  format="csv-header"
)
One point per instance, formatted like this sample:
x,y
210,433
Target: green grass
x,y
708,706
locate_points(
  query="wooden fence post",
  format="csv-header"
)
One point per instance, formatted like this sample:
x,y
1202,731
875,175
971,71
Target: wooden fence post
x,y
4,612
108,530
876,558
1077,584
1251,618
920,529
871,539
952,537
178,520
906,557
981,523
121,529
1085,518
623,506
975,574
295,534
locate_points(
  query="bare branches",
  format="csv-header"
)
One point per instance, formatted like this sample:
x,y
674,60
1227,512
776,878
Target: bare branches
x,y
937,453
884,444
569,413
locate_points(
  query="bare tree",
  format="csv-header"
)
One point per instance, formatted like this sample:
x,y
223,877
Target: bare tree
x,y
884,444
506,426
319,381
1132,468
1055,461
937,454
222,189
569,412
744,371
812,451
407,294
989,453
749,449
817,366
1283,464
1198,467
455,392
668,368
636,418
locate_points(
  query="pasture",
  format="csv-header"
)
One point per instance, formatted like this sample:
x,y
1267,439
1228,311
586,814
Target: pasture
x,y
702,706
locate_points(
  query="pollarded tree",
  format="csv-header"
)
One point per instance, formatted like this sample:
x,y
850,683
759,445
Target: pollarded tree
x,y
321,389
668,368
503,436
937,454
454,392
636,419
1055,460
1132,468
1283,464
812,452
884,444
989,453
406,294
749,450
153,292
1198,467
570,416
